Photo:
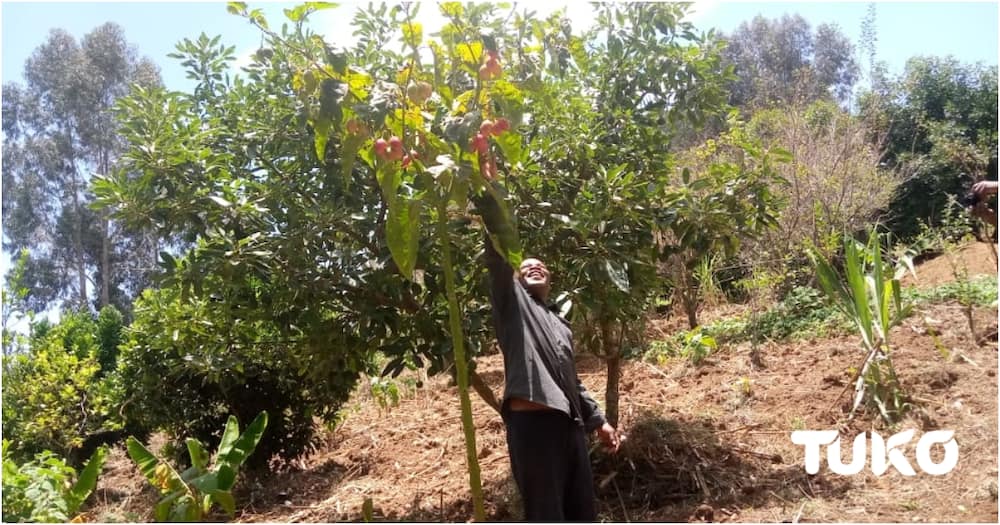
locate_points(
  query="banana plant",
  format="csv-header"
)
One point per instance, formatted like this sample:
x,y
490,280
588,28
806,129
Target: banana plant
x,y
188,496
869,294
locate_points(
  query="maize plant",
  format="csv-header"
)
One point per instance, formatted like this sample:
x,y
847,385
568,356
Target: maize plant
x,y
189,496
869,294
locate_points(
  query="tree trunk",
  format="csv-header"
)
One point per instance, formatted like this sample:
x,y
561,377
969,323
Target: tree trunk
x,y
81,267
461,369
612,358
687,290
105,260
105,245
691,309
611,391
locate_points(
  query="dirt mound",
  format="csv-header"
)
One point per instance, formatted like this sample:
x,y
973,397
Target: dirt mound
x,y
974,257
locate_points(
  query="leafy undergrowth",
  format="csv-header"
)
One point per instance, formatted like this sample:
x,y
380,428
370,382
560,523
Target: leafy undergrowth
x,y
705,442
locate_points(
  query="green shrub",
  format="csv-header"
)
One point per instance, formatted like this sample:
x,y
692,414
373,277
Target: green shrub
x,y
53,397
980,291
46,489
802,312
186,366
692,345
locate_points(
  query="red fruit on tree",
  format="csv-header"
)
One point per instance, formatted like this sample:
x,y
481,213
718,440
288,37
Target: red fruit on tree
x,y
486,128
380,147
480,144
406,161
500,126
395,151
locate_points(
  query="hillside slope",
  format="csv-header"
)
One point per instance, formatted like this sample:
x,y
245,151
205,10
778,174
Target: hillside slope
x,y
705,443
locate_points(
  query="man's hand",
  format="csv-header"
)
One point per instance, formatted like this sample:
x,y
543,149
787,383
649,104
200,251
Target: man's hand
x,y
609,436
984,187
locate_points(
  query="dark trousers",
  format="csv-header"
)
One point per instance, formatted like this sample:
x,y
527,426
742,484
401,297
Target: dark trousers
x,y
550,463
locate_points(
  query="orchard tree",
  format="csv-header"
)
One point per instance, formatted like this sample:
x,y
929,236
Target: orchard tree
x,y
601,190
726,196
301,216
59,131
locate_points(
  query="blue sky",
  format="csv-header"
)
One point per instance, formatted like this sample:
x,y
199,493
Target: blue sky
x,y
966,30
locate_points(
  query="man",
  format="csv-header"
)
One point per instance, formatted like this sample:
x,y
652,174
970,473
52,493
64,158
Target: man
x,y
545,407
981,208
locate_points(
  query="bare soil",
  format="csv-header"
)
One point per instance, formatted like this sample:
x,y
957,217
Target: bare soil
x,y
705,443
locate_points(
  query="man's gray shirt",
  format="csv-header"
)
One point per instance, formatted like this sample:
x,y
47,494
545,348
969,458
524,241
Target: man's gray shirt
x,y
537,348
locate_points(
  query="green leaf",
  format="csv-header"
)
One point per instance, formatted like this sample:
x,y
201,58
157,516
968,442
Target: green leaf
x,y
257,16
246,443
618,275
88,479
206,482
451,9
225,500
220,201
470,52
321,129
368,510
403,233
348,156
162,509
878,284
160,474
459,192
830,282
857,286
389,178
198,454
512,149
304,10
229,436
330,113
226,476
236,8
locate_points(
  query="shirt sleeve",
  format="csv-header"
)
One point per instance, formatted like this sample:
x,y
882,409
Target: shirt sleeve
x,y
501,277
592,416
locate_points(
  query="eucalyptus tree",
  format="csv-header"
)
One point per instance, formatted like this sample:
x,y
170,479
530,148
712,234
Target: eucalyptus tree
x,y
783,60
59,131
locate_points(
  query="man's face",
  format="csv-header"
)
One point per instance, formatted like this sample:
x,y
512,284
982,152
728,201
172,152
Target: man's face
x,y
535,278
